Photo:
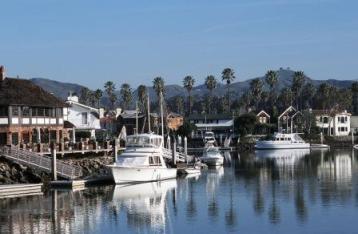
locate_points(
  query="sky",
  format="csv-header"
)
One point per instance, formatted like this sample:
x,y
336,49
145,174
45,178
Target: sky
x,y
89,42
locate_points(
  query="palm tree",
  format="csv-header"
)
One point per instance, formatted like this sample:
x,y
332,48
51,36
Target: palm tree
x,y
297,84
285,98
110,87
210,83
85,96
97,95
179,104
126,95
188,83
158,86
271,79
308,93
228,75
142,96
256,91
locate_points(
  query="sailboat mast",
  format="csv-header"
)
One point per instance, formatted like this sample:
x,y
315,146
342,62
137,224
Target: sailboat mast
x,y
136,117
161,113
148,109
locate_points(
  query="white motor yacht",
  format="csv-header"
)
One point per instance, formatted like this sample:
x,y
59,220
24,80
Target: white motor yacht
x,y
209,137
283,141
142,161
212,156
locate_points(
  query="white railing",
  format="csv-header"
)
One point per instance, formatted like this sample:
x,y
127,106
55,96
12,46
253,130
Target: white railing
x,y
37,161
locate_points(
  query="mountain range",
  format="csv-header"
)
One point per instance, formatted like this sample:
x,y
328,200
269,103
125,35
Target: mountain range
x,y
285,76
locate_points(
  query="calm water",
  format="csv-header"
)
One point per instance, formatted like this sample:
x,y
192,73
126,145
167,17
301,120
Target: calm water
x,y
270,192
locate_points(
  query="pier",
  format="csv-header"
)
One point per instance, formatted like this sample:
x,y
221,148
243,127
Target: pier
x,y
20,190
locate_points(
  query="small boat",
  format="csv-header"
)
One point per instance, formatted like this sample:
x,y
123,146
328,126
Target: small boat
x,y
283,141
142,161
209,137
212,156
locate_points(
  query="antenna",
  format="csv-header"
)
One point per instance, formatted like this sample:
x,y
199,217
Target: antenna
x,y
148,109
161,113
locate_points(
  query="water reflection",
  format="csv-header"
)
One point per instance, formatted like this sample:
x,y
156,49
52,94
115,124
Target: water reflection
x,y
145,204
275,190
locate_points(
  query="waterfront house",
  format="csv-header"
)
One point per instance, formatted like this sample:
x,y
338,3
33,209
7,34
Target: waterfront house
x,y
221,124
333,122
83,118
263,117
28,113
174,121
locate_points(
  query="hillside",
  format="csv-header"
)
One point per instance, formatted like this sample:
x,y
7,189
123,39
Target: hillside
x,y
61,89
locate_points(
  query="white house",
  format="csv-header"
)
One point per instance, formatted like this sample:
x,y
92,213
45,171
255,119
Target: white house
x,y
263,117
82,117
333,122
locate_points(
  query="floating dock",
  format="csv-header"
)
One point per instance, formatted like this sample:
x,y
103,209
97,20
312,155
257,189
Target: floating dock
x,y
20,190
80,184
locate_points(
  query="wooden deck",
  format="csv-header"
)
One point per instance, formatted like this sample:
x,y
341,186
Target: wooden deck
x,y
20,190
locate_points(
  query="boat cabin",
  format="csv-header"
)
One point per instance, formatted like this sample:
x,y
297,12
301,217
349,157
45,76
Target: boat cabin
x,y
144,140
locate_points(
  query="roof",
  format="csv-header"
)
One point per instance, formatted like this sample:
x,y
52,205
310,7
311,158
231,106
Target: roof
x,y
82,105
331,112
264,113
131,114
210,116
227,124
15,91
174,115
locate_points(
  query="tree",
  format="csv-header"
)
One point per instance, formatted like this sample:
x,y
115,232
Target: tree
x,y
186,129
322,97
142,96
271,79
158,86
126,95
228,75
256,91
110,88
297,84
245,124
98,95
285,98
210,83
354,89
179,103
188,84
85,96
308,93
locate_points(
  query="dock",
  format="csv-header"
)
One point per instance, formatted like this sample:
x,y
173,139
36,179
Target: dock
x,y
20,190
81,184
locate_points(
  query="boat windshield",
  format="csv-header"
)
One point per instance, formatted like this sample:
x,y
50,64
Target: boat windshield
x,y
143,141
131,161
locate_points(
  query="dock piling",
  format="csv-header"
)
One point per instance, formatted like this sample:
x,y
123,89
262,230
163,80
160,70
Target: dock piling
x,y
54,166
174,153
186,149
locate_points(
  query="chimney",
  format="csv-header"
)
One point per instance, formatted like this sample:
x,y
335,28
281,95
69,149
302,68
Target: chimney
x,y
2,73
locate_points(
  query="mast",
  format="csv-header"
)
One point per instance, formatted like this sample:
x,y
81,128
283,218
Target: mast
x,y
161,113
148,109
136,117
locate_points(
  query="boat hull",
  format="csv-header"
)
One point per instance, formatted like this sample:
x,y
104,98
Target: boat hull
x,y
271,145
213,161
123,175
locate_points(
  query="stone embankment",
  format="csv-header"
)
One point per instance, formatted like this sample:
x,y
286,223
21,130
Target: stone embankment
x,y
14,173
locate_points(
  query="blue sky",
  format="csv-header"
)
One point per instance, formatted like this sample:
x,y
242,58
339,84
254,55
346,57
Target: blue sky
x,y
90,42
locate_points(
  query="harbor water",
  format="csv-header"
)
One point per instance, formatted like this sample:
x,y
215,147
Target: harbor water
x,y
293,191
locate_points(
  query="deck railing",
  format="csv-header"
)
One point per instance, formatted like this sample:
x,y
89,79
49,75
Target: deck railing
x,y
40,162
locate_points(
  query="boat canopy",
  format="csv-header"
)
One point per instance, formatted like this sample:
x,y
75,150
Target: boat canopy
x,y
131,161
144,140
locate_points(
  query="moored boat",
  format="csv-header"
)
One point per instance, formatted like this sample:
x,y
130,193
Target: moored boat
x,y
212,156
142,161
283,141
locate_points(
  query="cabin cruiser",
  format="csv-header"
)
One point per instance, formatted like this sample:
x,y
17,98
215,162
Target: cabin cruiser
x,y
212,156
142,161
283,141
209,137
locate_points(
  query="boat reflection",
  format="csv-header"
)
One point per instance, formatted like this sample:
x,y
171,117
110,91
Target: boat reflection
x,y
145,204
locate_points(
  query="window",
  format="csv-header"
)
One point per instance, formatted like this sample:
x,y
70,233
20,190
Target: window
x,y
325,119
84,118
59,112
154,161
25,111
15,111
